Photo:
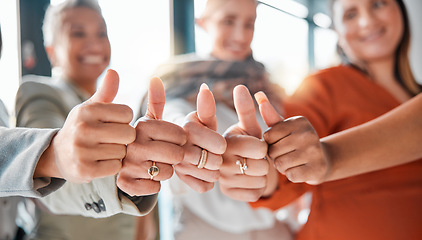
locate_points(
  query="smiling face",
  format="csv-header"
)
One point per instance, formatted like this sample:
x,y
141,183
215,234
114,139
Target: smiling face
x,y
231,28
369,30
81,49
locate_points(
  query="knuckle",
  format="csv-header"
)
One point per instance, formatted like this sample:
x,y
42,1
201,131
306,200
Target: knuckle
x,y
280,165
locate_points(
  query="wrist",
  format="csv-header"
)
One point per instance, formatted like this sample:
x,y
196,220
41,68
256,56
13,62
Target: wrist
x,y
47,166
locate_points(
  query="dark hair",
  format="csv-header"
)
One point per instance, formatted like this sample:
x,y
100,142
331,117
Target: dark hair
x,y
402,69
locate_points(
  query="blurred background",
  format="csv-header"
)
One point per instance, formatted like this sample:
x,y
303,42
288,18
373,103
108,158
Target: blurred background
x,y
292,38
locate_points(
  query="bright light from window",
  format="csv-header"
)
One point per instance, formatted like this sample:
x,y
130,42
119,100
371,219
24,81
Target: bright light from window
x,y
322,20
289,6
9,63
56,2
139,33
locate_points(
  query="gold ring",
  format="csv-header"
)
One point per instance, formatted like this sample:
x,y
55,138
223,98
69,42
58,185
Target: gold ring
x,y
153,171
203,159
242,166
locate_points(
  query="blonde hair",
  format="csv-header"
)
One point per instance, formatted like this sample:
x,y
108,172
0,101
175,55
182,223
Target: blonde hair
x,y
212,5
52,19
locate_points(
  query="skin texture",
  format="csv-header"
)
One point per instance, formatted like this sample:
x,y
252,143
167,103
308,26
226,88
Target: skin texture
x,y
156,141
201,128
244,143
231,29
93,139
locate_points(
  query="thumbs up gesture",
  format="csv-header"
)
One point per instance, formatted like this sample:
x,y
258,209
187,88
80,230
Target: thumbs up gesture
x,y
244,170
294,145
93,139
199,168
158,146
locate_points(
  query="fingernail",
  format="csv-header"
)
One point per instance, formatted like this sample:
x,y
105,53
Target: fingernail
x,y
260,97
204,86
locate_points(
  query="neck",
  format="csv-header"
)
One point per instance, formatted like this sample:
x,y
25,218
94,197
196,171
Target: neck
x,y
382,72
88,86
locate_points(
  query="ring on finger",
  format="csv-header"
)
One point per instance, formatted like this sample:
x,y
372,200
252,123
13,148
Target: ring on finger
x,y
153,171
203,159
242,166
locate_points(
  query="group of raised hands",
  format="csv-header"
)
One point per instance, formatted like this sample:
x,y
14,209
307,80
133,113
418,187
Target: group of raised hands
x,y
244,160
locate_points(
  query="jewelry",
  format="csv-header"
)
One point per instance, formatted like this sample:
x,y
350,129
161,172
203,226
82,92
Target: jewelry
x,y
242,165
153,171
203,160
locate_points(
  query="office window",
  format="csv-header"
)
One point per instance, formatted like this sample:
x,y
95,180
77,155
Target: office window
x,y
9,63
139,33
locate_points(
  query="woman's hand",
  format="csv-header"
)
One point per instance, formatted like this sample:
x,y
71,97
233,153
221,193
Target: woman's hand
x,y
294,145
244,173
158,146
93,139
200,167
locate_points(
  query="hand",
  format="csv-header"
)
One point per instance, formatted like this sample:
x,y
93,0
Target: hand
x,y
293,145
202,138
93,139
244,148
158,143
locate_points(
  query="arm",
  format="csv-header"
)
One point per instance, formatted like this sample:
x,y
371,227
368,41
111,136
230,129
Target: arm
x,y
20,150
387,141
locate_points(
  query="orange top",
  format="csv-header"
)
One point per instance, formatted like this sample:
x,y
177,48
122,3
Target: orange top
x,y
385,204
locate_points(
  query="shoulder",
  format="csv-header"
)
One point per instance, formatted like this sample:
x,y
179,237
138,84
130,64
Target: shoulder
x,y
333,78
33,87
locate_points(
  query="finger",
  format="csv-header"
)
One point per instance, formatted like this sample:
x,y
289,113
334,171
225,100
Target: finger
x,y
206,107
117,133
282,147
104,112
244,181
137,187
139,169
268,113
108,90
240,194
201,174
193,154
104,168
196,184
205,138
158,151
285,128
255,167
147,130
156,99
246,146
245,109
104,152
289,160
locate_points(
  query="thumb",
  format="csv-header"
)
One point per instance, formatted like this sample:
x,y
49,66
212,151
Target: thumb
x,y
245,109
205,103
268,113
108,90
156,99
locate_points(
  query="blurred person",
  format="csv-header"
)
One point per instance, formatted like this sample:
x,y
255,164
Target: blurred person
x,y
76,41
211,215
36,162
375,78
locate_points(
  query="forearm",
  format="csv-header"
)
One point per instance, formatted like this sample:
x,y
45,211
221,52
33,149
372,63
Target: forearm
x,y
390,140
